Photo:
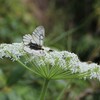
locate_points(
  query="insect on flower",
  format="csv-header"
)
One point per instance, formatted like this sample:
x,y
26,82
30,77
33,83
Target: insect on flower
x,y
35,41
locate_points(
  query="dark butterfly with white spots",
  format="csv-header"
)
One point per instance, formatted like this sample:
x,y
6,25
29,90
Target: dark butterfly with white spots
x,y
35,41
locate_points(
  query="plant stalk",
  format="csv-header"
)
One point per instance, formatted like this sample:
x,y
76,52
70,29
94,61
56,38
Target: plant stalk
x,y
67,87
44,89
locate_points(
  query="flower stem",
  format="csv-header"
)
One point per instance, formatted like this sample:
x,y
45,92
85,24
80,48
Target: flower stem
x,y
44,89
67,87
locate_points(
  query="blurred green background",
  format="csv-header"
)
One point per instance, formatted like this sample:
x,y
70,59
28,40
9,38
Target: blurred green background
x,y
72,25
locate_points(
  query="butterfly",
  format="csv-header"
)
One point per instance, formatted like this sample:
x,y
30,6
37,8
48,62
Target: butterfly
x,y
35,41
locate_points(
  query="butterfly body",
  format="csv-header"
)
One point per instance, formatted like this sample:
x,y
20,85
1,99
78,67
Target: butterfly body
x,y
35,46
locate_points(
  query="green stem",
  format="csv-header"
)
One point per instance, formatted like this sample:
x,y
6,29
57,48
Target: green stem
x,y
62,92
44,89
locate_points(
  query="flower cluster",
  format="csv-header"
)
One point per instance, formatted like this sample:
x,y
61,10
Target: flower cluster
x,y
15,49
54,65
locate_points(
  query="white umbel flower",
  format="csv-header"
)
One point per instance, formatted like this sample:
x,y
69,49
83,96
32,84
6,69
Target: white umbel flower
x,y
15,49
63,62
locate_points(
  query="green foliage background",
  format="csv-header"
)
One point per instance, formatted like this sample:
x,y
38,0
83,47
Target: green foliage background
x,y
72,25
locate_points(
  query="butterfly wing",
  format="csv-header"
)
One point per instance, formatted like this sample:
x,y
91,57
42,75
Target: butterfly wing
x,y
38,35
27,39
